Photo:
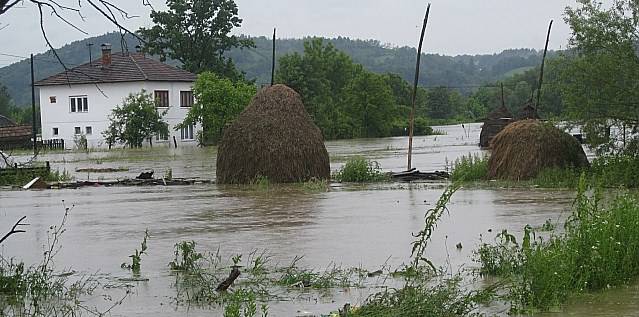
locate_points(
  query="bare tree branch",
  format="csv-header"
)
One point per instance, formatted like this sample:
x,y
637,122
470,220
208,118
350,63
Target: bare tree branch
x,y
15,229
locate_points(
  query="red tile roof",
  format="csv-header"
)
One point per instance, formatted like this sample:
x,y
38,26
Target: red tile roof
x,y
15,131
124,67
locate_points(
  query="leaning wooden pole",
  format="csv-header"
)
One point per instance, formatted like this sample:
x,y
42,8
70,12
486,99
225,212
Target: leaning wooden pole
x,y
414,99
543,62
273,61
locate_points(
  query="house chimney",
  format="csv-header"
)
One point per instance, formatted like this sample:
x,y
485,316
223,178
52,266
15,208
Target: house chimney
x,y
106,54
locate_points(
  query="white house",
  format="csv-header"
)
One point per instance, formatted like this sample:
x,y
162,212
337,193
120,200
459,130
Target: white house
x,y
78,101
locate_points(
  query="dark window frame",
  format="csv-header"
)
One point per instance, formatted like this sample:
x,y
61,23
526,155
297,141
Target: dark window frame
x,y
186,99
162,99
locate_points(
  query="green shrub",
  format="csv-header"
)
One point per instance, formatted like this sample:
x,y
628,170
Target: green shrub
x,y
470,168
360,170
616,171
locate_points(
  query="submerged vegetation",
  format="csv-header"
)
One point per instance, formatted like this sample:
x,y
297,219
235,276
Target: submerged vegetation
x,y
39,290
20,178
599,249
610,171
360,170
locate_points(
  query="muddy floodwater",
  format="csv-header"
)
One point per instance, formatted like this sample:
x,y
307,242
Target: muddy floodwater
x,y
366,226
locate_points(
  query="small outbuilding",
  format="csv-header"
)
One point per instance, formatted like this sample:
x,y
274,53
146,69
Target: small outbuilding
x,y
274,137
524,148
14,136
496,121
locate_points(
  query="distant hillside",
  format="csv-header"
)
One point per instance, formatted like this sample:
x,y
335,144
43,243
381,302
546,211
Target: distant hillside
x,y
462,71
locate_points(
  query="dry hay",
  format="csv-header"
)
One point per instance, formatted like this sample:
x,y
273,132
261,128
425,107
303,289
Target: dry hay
x,y
497,120
274,137
524,148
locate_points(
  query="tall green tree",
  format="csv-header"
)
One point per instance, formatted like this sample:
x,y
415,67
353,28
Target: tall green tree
x,y
600,87
218,101
135,121
198,34
5,101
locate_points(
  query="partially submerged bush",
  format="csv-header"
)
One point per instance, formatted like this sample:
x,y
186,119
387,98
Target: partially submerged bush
x,y
599,249
360,170
470,168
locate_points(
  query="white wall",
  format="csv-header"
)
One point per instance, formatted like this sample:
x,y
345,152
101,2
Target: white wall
x,y
102,99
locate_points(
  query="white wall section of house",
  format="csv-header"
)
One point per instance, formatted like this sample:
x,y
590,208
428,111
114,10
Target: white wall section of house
x,y
57,115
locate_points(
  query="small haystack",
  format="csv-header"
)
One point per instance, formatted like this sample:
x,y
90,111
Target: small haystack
x,y
274,137
497,120
524,148
528,112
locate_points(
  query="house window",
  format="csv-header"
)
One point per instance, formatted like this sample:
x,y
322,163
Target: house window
x,y
88,130
52,99
79,104
186,99
187,132
162,98
78,130
55,131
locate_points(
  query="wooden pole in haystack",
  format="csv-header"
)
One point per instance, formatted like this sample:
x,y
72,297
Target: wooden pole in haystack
x,y
543,62
273,62
412,111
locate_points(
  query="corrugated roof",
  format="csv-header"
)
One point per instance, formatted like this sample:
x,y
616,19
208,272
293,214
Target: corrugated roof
x,y
124,67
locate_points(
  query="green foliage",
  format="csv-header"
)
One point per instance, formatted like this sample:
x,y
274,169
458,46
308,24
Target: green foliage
x,y
359,170
198,34
470,168
136,258
5,101
443,298
344,99
20,178
136,120
599,77
218,101
598,249
186,257
430,224
616,171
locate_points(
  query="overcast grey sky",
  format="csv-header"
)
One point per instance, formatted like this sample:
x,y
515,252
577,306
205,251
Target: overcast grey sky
x,y
455,26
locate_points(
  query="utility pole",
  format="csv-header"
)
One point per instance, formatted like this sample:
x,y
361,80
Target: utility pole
x,y
33,111
412,112
90,56
273,62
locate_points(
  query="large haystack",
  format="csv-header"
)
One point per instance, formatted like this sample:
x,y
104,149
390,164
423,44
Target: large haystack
x,y
497,120
524,148
274,137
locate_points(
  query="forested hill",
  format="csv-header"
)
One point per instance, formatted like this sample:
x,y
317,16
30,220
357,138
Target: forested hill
x,y
462,71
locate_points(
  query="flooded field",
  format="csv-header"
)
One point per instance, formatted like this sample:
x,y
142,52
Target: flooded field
x,y
366,226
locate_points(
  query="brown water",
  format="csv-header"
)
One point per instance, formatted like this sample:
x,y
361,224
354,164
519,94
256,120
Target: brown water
x,y
350,225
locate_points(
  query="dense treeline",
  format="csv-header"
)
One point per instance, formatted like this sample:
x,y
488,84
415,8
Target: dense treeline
x,y
437,70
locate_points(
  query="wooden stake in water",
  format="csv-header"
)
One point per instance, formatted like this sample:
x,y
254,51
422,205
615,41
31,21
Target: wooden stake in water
x,y
412,111
543,62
